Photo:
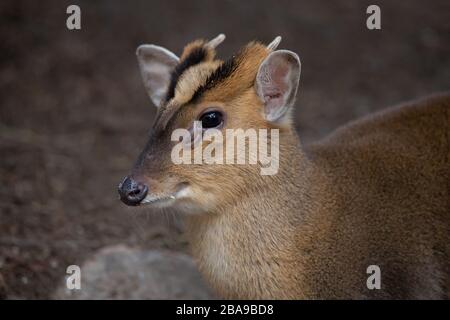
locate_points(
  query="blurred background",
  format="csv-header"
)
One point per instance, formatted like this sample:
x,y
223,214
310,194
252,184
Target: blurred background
x,y
74,114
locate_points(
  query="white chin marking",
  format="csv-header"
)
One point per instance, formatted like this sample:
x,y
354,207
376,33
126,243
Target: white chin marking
x,y
158,200
183,193
165,200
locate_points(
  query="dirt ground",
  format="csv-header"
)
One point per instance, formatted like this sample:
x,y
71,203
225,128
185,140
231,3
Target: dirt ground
x,y
74,114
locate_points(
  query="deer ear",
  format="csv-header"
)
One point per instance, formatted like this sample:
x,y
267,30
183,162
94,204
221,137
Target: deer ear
x,y
156,64
277,82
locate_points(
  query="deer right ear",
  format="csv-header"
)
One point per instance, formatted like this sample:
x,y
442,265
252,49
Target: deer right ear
x,y
156,65
277,82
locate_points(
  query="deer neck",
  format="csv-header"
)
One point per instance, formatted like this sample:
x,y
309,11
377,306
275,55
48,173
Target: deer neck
x,y
248,250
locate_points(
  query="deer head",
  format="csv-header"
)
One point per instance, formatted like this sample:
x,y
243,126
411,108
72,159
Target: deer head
x,y
255,89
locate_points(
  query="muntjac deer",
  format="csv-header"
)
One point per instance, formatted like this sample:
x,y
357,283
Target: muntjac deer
x,y
373,193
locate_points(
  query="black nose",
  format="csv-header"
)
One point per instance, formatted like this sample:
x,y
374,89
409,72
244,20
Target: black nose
x,y
132,192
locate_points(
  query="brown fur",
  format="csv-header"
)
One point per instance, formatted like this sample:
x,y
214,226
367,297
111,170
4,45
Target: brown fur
x,y
373,192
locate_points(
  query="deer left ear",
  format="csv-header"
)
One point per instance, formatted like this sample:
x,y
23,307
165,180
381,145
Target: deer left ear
x,y
277,82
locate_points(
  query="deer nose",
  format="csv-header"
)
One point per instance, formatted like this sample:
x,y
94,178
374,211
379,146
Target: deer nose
x,y
132,192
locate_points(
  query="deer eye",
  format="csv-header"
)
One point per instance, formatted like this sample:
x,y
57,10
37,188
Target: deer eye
x,y
211,119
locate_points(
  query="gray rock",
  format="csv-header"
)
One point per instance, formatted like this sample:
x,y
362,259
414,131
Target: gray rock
x,y
120,272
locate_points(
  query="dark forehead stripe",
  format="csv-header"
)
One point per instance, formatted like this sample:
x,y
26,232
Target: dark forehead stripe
x,y
225,70
196,56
